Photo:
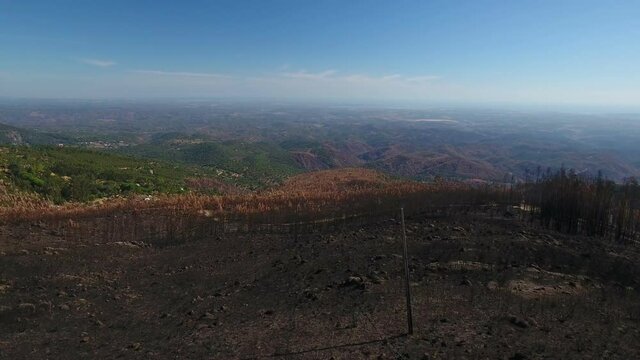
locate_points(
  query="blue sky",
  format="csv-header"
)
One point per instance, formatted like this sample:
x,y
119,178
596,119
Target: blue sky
x,y
540,52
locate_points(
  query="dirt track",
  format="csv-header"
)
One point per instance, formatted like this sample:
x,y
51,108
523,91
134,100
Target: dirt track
x,y
482,288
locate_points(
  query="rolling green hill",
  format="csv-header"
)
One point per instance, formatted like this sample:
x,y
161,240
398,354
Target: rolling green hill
x,y
248,164
72,174
11,135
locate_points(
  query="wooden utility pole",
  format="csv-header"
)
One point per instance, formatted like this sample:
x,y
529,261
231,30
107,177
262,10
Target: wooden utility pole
x,y
406,275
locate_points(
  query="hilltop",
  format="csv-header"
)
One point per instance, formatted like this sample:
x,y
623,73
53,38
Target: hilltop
x,y
312,268
484,285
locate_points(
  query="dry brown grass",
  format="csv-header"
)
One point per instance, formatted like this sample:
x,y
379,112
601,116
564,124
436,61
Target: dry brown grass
x,y
335,181
310,202
10,199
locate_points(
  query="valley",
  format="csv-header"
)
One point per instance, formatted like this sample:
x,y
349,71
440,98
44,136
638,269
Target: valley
x,y
264,143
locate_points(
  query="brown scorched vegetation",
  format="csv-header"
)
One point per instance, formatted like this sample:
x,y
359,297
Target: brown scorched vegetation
x,y
326,199
303,203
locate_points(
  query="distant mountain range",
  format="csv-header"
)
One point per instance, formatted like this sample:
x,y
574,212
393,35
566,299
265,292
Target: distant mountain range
x,y
272,141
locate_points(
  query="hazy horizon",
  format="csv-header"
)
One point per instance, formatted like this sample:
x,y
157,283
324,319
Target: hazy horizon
x,y
560,54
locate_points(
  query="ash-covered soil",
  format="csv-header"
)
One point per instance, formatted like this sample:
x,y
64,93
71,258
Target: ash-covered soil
x,y
482,288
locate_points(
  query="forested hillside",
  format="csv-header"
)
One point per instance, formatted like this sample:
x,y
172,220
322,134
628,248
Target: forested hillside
x,y
71,174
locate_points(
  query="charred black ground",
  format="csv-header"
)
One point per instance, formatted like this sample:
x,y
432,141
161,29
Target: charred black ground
x,y
483,287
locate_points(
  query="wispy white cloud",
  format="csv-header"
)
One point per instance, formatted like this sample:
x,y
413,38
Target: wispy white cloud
x,y
301,83
333,84
181,74
98,62
284,83
303,74
392,77
424,78
333,75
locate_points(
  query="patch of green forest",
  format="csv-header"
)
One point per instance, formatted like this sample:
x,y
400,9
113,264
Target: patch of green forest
x,y
10,135
251,165
74,174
